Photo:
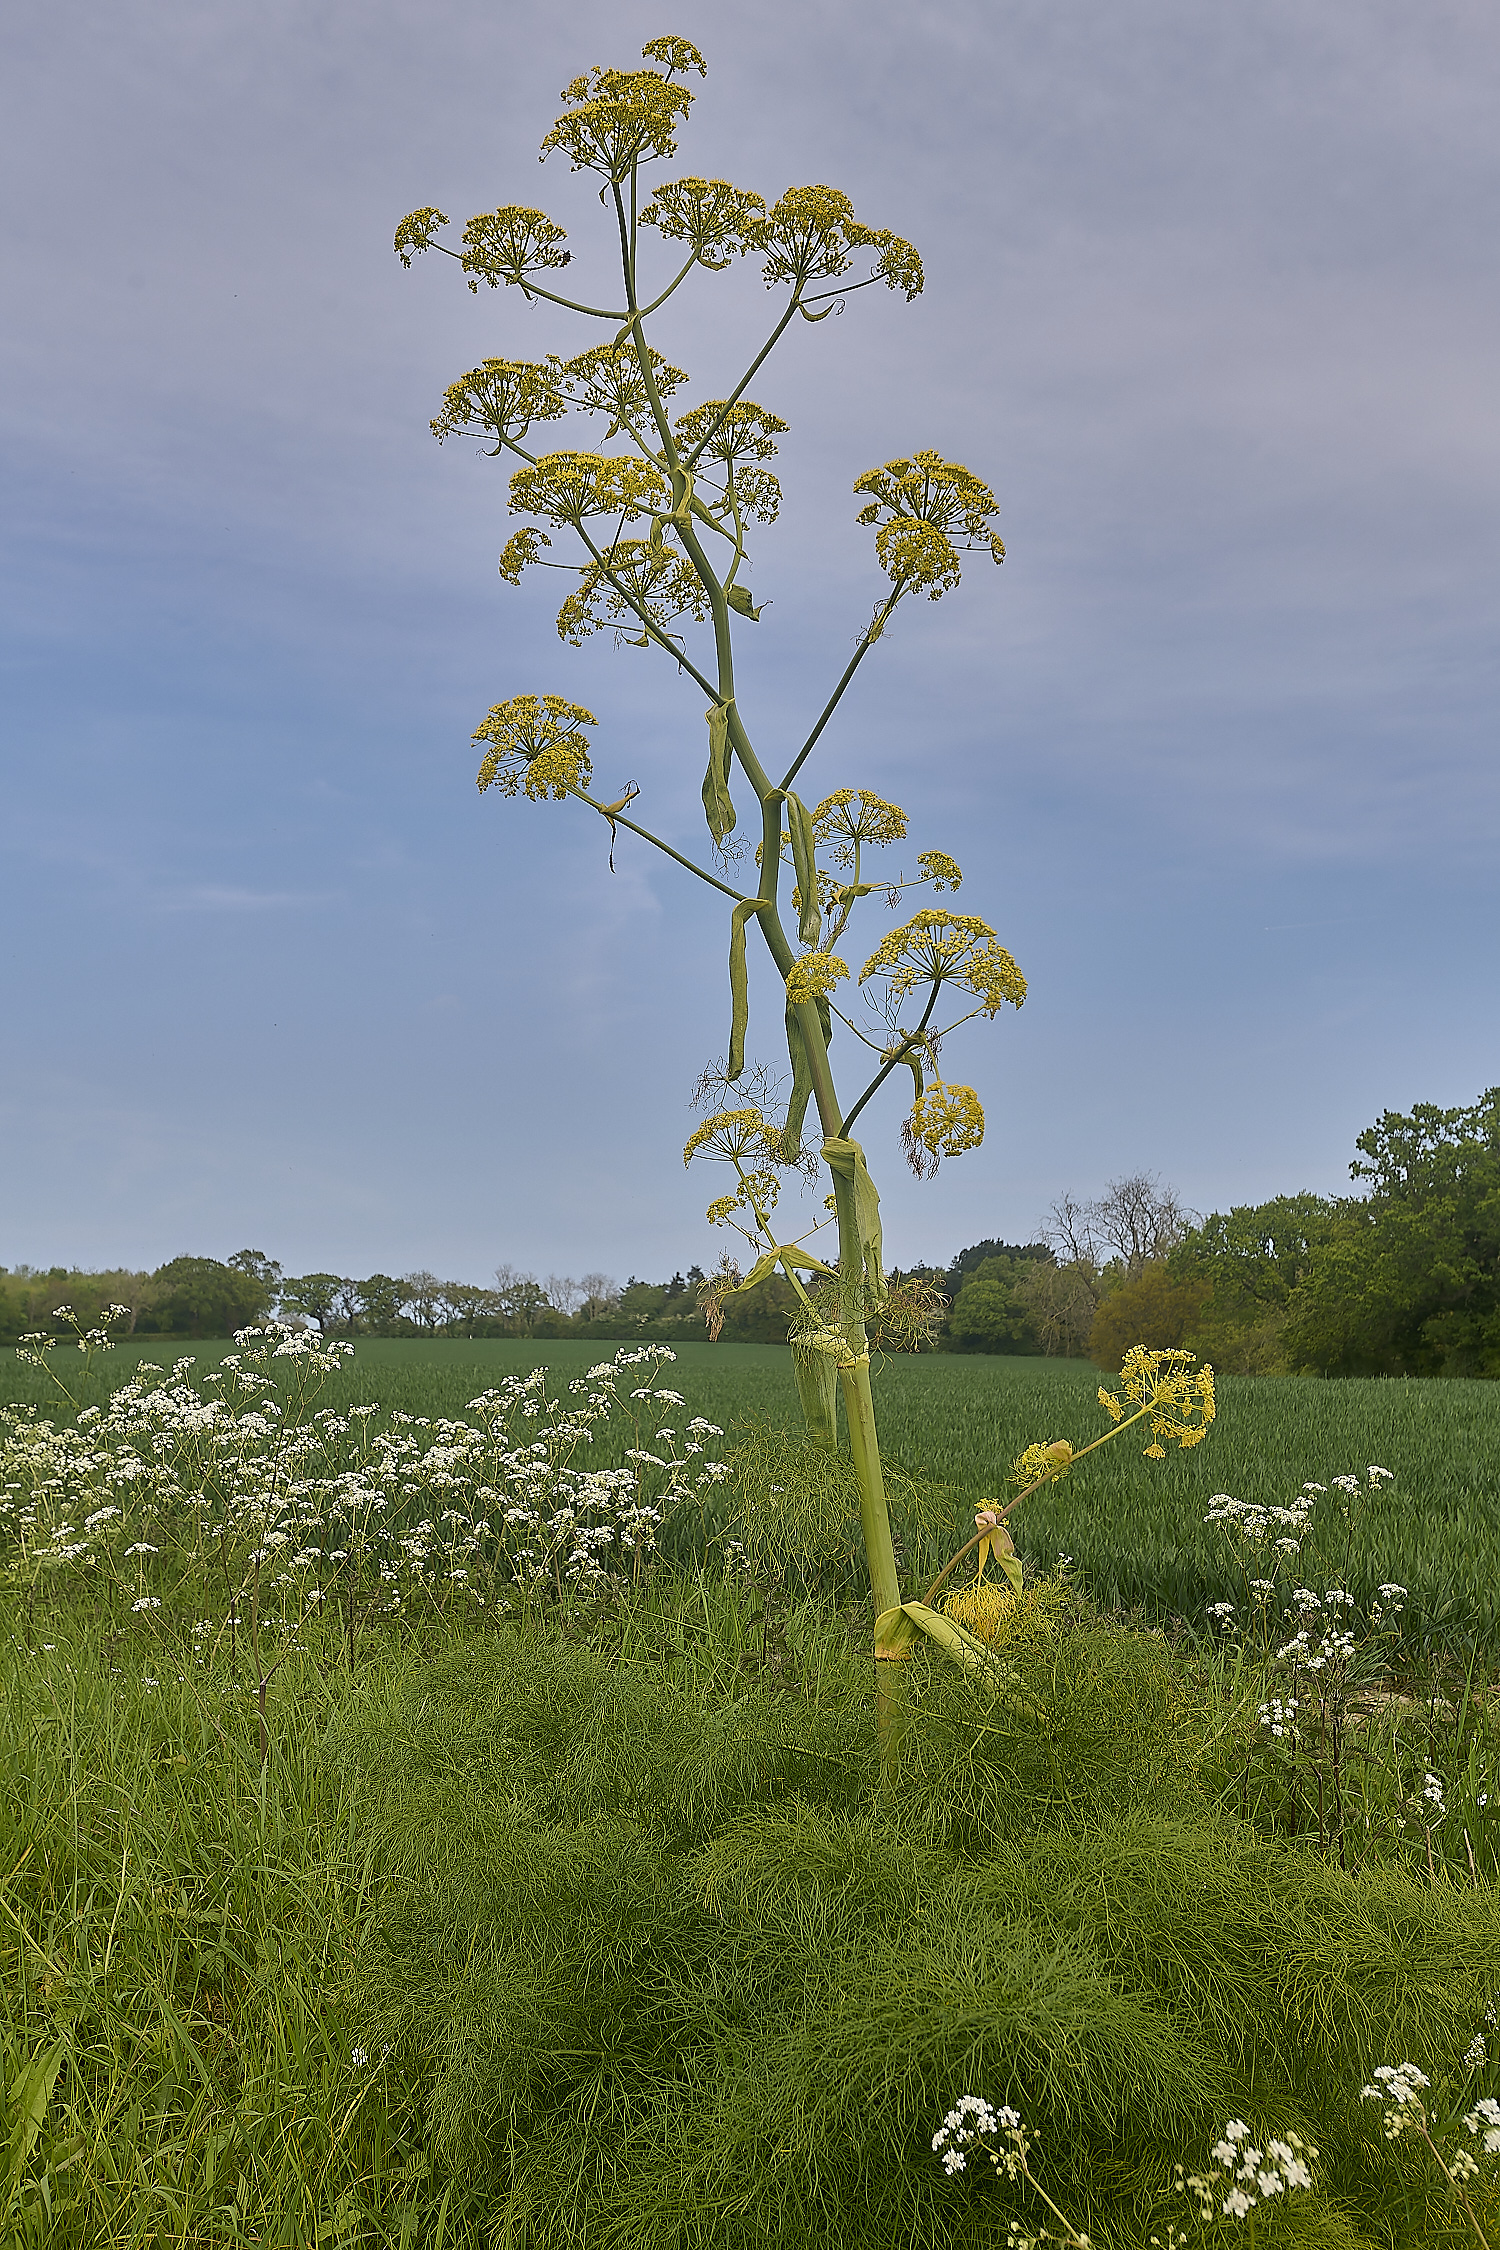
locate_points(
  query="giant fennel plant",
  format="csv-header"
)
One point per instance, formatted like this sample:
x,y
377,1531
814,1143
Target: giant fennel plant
x,y
660,513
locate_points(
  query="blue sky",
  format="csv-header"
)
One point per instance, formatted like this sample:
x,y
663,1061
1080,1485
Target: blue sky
x,y
1210,302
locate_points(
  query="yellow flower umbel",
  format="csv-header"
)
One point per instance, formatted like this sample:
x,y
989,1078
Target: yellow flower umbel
x,y
925,510
943,873
717,218
944,1121
1174,1399
508,245
939,948
502,398
811,233
633,583
814,974
620,118
536,745
566,487
851,817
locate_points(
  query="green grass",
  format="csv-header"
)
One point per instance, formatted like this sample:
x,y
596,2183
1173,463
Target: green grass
x,y
175,1931
658,1965
1134,1528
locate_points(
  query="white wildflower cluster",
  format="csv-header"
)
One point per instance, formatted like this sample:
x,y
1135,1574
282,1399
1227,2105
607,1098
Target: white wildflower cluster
x,y
975,2127
34,1348
1279,1718
1252,1523
1268,1538
1323,1640
973,2124
1477,2053
1247,2176
237,1476
1426,1805
1483,2122
1398,2087
1401,2090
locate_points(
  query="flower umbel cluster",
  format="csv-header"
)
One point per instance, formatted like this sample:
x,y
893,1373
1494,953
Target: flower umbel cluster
x,y
1175,1399
1246,2175
1407,2109
973,2127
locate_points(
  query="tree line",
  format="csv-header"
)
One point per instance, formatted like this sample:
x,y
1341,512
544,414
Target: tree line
x,y
1401,1277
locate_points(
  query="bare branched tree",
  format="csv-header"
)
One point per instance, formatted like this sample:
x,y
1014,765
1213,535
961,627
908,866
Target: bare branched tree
x,y
1140,1219
600,1291
1068,1231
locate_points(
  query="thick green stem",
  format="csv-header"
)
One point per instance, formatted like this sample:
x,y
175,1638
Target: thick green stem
x,y
880,1548
814,1387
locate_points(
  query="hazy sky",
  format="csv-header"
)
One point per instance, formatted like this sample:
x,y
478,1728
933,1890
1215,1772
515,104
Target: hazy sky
x,y
1210,302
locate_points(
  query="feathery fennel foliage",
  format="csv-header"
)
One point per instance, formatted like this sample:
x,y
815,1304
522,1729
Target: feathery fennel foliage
x,y
672,1970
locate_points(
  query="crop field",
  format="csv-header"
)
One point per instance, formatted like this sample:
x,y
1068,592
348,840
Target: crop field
x,y
1133,1528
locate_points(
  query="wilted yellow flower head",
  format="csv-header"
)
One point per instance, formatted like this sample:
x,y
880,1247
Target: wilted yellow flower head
x,y
520,551
856,816
943,873
632,577
994,1612
618,118
945,1121
508,244
926,509
813,974
939,948
608,380
536,745
565,487
811,233
1039,1461
1180,1398
981,1606
735,1136
719,220
502,397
